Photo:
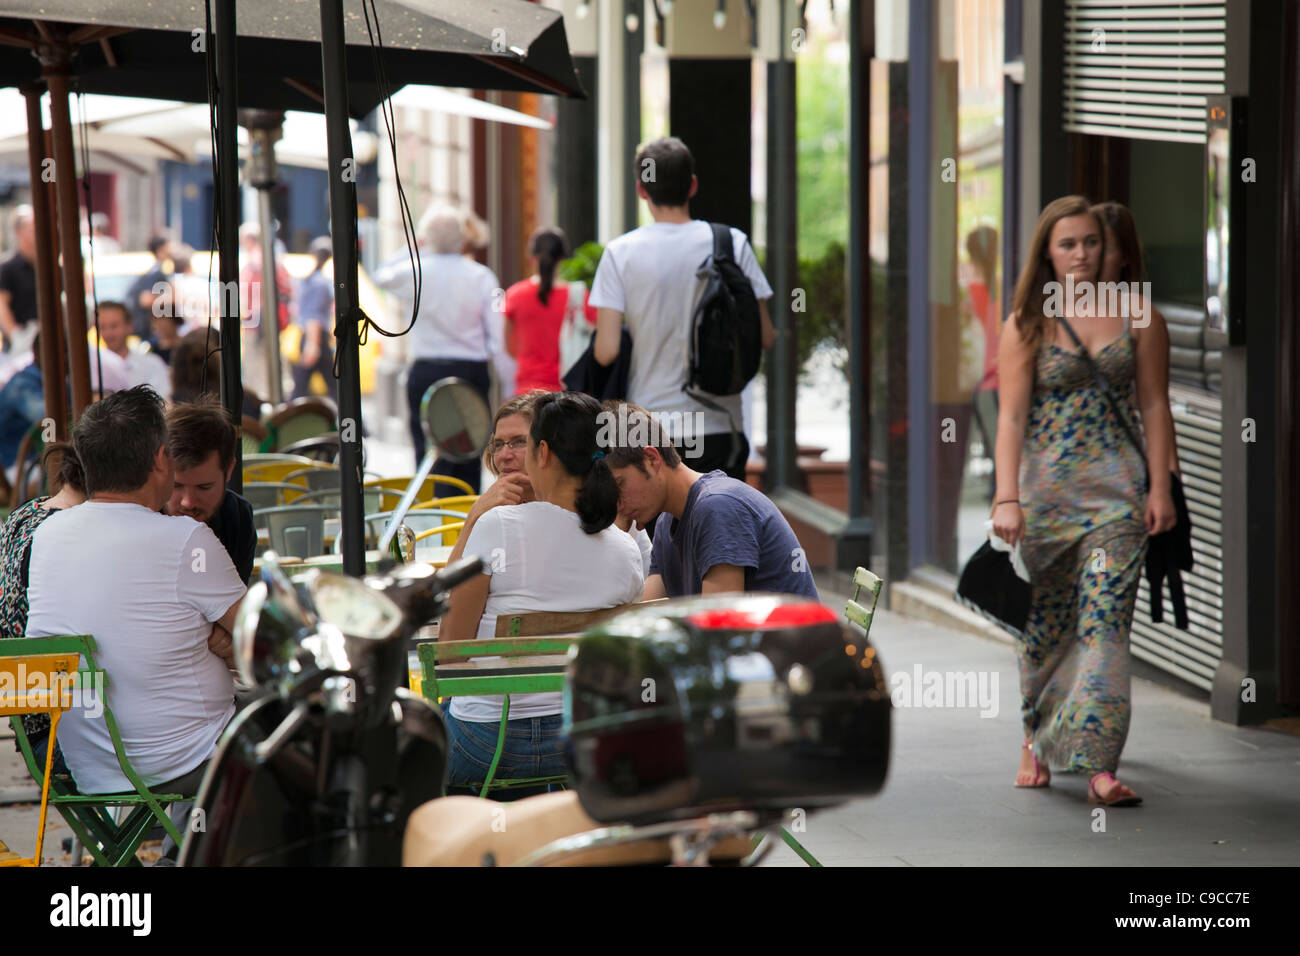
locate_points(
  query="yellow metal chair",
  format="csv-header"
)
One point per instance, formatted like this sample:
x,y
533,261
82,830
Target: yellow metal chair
x,y
427,490
277,470
451,528
42,685
457,503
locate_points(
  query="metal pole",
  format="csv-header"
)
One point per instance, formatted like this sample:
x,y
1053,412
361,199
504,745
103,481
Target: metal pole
x,y
343,228
55,62
782,264
47,294
854,544
226,175
920,457
270,301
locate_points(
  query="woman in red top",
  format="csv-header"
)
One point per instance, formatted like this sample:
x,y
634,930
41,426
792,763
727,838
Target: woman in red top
x,y
536,309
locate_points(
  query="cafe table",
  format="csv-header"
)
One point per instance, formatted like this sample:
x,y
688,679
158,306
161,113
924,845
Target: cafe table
x,y
435,555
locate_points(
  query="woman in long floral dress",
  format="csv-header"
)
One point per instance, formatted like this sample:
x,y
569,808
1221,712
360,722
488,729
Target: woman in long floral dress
x,y
1072,489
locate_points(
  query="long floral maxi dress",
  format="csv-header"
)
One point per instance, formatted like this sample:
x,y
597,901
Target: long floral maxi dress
x,y
1083,492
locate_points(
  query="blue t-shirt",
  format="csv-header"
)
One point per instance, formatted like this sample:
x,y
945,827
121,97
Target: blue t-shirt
x,y
22,405
316,300
729,522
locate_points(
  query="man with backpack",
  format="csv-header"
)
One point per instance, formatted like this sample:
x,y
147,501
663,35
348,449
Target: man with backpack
x,y
695,308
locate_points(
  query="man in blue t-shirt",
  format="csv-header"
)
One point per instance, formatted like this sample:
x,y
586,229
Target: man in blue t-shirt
x,y
711,533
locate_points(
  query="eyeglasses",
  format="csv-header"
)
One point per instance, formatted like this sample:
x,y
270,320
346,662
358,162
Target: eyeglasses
x,y
514,444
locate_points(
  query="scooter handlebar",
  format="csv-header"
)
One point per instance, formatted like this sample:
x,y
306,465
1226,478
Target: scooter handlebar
x,y
457,574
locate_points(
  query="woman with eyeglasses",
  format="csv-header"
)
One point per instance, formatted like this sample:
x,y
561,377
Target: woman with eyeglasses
x,y
504,457
559,552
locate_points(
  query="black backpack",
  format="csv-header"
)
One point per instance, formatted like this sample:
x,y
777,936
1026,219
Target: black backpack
x,y
726,332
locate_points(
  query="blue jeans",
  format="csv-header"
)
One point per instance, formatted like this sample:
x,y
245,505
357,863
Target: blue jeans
x,y
424,372
40,742
533,748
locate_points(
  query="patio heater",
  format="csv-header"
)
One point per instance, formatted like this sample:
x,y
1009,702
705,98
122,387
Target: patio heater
x,y
265,128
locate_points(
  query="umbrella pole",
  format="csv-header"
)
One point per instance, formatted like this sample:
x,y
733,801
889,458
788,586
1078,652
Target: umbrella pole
x,y
343,228
226,172
55,65
47,295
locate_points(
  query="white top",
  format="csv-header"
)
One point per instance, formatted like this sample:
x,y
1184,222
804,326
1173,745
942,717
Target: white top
x,y
649,274
643,542
462,307
147,587
144,367
117,376
540,559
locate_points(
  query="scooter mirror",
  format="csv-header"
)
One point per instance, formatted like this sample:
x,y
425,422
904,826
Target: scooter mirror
x,y
457,421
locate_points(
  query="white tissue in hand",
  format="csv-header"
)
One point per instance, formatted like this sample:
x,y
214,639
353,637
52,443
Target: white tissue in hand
x,y
1017,562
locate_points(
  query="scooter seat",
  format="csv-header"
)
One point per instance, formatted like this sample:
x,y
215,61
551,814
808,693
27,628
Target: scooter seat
x,y
470,831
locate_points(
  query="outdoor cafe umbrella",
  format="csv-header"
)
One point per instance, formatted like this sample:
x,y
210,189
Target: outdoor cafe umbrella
x,y
293,54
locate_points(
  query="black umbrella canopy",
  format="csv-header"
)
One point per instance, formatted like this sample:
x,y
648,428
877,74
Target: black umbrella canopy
x,y
134,48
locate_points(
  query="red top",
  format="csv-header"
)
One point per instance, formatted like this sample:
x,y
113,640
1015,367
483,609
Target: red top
x,y
534,329
985,310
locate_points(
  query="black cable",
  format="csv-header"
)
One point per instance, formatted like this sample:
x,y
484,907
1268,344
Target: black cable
x,y
90,233
408,220
210,68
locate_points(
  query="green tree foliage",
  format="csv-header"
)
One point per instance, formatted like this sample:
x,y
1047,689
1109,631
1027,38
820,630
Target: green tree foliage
x,y
823,150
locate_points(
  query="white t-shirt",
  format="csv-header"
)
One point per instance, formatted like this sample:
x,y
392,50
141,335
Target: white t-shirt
x,y
146,586
649,274
143,367
643,542
540,559
461,315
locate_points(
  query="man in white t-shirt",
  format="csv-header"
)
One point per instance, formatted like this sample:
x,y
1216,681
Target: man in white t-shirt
x,y
142,366
157,593
647,278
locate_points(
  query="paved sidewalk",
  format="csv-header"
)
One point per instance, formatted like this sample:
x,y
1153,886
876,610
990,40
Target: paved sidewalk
x,y
1213,794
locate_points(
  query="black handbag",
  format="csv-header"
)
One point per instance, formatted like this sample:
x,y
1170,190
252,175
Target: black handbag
x,y
1170,552
990,586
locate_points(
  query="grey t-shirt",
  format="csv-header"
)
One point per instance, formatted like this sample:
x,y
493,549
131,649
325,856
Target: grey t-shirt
x,y
728,522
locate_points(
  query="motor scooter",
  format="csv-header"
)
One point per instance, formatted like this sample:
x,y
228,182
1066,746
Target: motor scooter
x,y
327,758
325,764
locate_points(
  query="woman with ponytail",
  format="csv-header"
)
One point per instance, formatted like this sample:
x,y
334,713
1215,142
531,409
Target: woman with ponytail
x,y
561,552
535,312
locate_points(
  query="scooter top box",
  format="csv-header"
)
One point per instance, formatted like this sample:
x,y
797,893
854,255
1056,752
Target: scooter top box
x,y
701,705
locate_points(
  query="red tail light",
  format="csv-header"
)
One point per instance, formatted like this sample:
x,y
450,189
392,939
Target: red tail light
x,y
783,615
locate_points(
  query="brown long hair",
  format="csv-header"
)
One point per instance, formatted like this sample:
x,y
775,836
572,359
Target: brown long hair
x,y
1119,219
1031,288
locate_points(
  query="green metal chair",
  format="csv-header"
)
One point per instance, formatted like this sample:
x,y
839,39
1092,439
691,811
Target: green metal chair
x,y
861,615
110,842
857,613
544,676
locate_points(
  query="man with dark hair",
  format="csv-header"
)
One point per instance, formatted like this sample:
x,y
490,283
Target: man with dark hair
x,y
712,533
18,283
142,366
647,278
158,593
201,441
